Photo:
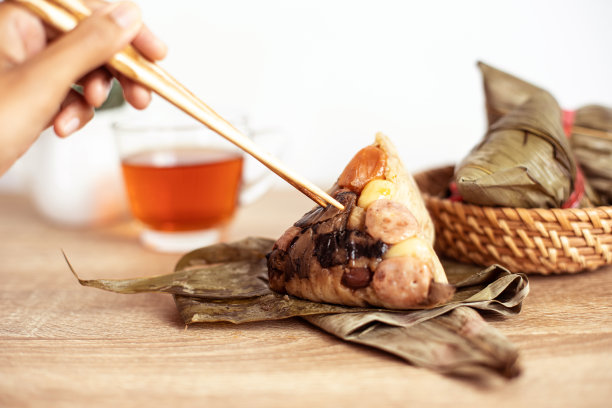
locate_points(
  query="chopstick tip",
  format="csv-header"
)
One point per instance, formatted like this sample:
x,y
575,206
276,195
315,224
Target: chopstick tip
x,y
336,204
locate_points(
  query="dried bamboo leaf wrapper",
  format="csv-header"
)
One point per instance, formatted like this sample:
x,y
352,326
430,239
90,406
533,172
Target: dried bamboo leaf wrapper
x,y
235,279
591,141
524,160
235,270
604,187
238,280
540,116
494,302
457,343
503,92
484,289
271,306
451,339
250,248
225,291
493,289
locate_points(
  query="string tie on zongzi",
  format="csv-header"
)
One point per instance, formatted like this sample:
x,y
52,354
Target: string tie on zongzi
x,y
577,195
455,196
568,117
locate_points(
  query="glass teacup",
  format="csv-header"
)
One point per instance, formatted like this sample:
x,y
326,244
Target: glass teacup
x,y
183,181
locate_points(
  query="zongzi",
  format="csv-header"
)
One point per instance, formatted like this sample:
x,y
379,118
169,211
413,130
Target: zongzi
x,y
377,251
525,159
591,140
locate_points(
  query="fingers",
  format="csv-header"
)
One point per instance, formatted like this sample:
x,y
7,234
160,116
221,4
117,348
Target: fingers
x,y
97,83
149,45
154,49
22,34
137,95
89,45
78,55
74,113
96,86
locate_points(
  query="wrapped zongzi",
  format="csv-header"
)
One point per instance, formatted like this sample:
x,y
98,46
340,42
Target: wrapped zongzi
x,y
525,159
377,251
591,141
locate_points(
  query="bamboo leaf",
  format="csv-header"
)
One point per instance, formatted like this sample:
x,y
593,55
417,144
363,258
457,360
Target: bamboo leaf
x,y
457,343
228,283
524,159
591,141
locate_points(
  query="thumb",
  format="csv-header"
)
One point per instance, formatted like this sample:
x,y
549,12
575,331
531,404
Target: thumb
x,y
90,44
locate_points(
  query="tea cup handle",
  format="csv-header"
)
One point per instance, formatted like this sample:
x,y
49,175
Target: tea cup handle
x,y
258,179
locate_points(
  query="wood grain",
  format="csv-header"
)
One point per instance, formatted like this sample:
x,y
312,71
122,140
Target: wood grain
x,y
65,345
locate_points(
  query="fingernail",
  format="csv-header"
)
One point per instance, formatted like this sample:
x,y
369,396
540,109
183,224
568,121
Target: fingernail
x,y
125,15
72,126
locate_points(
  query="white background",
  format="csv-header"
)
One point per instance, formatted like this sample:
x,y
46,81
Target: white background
x,y
330,74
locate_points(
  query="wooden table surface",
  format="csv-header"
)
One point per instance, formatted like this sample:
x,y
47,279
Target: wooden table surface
x,y
66,345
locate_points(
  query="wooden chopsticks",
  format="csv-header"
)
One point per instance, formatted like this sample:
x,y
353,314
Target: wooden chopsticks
x,y
64,15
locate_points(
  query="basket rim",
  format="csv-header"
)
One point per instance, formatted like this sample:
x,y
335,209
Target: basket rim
x,y
505,210
530,240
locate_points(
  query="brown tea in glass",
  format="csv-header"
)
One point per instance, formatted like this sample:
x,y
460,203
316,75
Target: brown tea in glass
x,y
183,189
183,182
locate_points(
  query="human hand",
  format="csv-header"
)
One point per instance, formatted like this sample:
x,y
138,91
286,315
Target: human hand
x,y
37,71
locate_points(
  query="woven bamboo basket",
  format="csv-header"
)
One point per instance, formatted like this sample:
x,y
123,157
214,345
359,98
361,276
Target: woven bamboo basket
x,y
530,240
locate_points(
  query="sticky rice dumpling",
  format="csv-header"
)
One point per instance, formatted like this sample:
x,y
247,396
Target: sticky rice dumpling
x,y
525,159
591,141
377,251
